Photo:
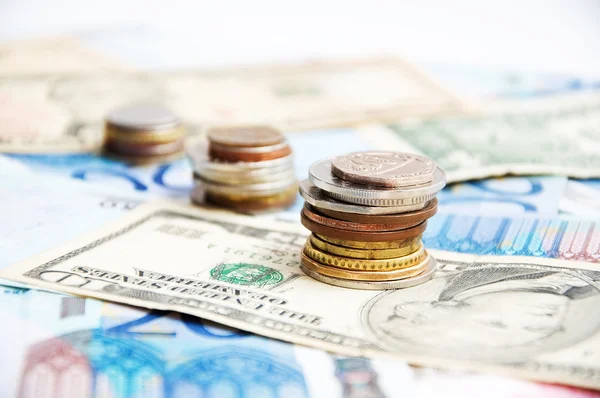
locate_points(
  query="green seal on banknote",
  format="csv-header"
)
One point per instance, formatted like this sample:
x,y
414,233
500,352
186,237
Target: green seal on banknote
x,y
246,274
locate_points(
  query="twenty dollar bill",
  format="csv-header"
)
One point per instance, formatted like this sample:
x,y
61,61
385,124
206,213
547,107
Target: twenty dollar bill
x,y
528,317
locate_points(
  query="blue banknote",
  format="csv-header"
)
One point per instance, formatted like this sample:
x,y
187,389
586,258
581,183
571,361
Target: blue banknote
x,y
165,180
41,213
552,237
481,83
581,198
72,347
506,196
174,180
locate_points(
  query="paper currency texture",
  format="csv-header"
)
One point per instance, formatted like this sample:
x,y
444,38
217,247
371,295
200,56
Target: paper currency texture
x,y
556,135
65,113
521,316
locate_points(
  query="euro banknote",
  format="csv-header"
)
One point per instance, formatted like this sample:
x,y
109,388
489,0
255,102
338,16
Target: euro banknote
x,y
506,196
72,347
581,197
555,135
513,315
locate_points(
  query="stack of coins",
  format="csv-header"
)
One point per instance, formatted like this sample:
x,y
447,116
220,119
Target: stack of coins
x,y
247,169
143,133
367,212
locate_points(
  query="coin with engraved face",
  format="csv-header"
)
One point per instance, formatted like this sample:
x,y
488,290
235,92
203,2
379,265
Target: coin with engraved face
x,y
386,169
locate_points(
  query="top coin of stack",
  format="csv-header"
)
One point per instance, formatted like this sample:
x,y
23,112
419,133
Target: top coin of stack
x,y
143,133
248,169
367,212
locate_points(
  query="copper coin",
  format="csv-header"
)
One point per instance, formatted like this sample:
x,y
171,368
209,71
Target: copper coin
x,y
244,136
232,154
125,148
337,233
400,218
312,214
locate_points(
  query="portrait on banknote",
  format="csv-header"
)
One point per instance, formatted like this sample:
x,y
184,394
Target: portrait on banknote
x,y
489,312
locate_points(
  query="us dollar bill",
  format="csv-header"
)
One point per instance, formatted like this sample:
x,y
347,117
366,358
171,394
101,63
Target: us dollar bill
x,y
65,112
555,135
522,316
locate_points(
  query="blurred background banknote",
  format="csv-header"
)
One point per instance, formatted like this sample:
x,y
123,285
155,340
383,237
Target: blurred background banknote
x,y
73,346
64,111
547,135
47,56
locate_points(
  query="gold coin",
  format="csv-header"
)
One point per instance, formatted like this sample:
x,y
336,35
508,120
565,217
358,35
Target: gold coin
x,y
390,264
354,244
247,204
367,254
143,160
351,275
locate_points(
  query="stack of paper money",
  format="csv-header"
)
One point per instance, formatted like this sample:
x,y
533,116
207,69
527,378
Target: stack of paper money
x,y
115,285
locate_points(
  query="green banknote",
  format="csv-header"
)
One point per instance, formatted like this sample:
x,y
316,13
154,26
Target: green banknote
x,y
558,135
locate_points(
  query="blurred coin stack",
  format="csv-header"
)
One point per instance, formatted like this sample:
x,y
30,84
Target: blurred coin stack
x,y
143,133
247,169
367,212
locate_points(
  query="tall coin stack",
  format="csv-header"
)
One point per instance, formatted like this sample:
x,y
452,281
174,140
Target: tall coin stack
x,y
143,133
247,169
367,212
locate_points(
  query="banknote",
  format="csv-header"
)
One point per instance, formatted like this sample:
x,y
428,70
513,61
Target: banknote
x,y
548,135
434,383
505,196
65,112
512,315
581,197
486,84
73,347
564,238
46,56
177,355
41,213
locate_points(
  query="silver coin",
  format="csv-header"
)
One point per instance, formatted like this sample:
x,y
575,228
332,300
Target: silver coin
x,y
267,188
321,176
381,202
143,117
198,154
319,199
243,178
386,169
218,175
423,277
250,149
